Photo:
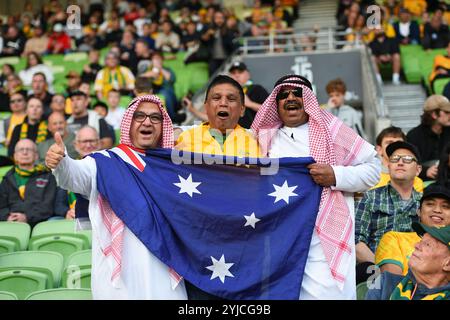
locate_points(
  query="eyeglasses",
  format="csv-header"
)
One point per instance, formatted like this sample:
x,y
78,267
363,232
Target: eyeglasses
x,y
284,94
91,141
155,118
25,150
406,159
16,101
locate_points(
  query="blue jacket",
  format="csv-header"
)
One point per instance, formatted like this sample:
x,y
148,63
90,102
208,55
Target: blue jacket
x,y
414,33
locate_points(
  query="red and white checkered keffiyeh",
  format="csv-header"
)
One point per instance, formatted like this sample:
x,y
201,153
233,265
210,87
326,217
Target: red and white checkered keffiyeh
x,y
332,143
113,224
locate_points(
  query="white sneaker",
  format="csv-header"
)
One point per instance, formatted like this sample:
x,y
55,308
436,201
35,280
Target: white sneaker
x,y
396,79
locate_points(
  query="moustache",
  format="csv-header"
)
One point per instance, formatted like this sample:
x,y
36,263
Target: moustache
x,y
291,105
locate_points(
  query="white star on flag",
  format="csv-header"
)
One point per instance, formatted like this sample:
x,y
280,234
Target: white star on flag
x,y
251,220
283,192
187,185
220,269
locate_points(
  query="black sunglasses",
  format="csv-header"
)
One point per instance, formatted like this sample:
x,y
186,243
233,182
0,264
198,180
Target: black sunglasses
x,y
298,92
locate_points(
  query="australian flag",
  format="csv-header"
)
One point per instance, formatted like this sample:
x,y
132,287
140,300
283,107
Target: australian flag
x,y
227,229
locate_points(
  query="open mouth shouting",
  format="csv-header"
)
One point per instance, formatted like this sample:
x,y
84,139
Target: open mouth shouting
x,y
146,133
223,115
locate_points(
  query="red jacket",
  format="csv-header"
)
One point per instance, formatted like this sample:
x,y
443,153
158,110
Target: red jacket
x,y
59,38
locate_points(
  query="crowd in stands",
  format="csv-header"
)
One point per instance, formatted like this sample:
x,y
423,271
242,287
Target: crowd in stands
x,y
126,43
140,37
401,23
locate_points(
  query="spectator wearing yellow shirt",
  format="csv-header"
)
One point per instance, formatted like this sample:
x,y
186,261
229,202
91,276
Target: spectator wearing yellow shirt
x,y
395,248
222,135
384,138
113,76
224,105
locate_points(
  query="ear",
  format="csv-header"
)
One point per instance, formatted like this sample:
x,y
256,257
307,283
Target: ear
x,y
446,264
419,170
378,149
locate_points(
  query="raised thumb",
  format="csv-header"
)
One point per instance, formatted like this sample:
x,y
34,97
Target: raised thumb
x,y
59,140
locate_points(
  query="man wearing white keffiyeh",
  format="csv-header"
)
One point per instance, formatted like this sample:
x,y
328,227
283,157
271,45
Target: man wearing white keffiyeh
x,y
290,123
122,267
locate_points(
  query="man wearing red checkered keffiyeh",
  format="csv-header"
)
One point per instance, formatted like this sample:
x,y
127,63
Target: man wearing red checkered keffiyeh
x,y
290,123
122,267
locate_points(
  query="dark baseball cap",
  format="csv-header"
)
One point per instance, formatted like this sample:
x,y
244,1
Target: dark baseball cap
x,y
238,66
402,145
440,233
435,191
77,93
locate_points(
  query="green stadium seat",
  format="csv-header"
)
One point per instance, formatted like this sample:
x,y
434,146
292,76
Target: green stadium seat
x,y
5,114
4,170
59,227
61,294
18,231
22,282
65,244
125,101
40,261
75,278
426,64
9,244
410,60
5,295
77,273
439,85
361,290
83,259
190,77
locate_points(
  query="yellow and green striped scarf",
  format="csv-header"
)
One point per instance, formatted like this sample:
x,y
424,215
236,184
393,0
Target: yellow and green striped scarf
x,y
41,134
108,79
22,176
405,289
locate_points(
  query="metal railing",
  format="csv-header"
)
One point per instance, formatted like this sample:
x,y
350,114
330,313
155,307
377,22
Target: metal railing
x,y
376,116
310,40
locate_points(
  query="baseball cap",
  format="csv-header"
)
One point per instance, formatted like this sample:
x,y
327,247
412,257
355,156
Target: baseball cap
x,y
77,93
440,233
58,27
435,102
402,145
238,66
435,191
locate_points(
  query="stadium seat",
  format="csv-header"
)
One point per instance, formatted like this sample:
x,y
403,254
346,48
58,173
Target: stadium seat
x,y
5,295
439,85
190,77
22,282
426,64
410,59
61,294
77,273
4,170
60,227
16,233
65,244
75,277
83,259
361,290
41,261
